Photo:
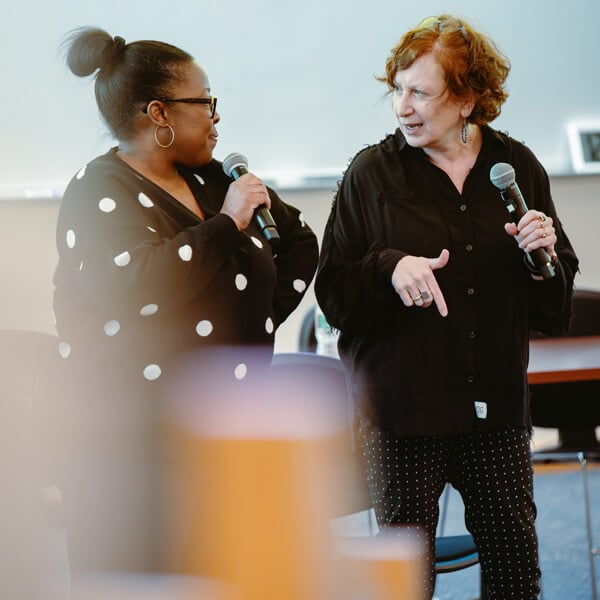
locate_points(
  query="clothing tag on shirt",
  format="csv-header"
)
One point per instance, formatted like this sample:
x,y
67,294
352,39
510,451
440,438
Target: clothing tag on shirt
x,y
481,410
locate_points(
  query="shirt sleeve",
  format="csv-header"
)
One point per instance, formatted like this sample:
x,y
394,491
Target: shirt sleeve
x,y
122,249
295,258
550,299
353,284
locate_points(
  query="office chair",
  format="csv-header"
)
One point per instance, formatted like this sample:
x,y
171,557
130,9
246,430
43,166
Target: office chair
x,y
307,341
574,409
325,376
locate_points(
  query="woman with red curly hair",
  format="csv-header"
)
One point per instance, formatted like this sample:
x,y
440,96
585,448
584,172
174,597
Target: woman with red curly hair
x,y
434,293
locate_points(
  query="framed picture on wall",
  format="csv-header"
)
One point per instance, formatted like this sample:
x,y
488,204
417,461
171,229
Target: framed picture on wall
x,y
584,145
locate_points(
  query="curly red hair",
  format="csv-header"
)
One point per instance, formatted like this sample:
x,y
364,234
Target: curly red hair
x,y
474,67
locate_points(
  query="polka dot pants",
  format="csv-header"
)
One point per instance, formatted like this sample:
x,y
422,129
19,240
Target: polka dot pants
x,y
494,475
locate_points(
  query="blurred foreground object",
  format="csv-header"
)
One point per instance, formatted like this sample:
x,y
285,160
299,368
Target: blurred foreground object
x,y
256,480
33,555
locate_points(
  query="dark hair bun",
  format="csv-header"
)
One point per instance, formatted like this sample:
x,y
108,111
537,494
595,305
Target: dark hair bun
x,y
89,49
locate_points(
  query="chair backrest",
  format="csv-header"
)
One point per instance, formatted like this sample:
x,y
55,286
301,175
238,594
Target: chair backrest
x,y
307,340
585,317
324,377
586,313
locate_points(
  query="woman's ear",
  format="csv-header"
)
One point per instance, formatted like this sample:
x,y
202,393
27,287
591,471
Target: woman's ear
x,y
156,113
467,108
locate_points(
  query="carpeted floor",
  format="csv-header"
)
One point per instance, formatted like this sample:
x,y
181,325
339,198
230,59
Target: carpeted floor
x,y
562,535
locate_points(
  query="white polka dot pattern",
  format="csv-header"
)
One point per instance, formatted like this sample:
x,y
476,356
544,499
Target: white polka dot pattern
x,y
122,260
299,285
112,327
101,215
491,470
107,205
241,282
240,371
152,372
185,252
204,328
144,200
148,310
64,349
269,327
71,238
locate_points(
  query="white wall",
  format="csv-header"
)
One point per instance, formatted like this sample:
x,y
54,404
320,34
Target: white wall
x,y
295,80
28,252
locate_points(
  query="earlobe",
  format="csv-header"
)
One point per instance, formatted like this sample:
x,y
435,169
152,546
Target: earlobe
x,y
467,109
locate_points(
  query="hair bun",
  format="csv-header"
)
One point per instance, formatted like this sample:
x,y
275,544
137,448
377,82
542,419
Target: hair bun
x,y
119,43
89,49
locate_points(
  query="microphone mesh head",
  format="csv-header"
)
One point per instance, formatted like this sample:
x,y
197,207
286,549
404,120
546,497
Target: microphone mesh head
x,y
502,175
233,160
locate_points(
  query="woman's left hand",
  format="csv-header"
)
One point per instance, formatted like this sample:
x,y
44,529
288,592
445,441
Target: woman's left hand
x,y
534,230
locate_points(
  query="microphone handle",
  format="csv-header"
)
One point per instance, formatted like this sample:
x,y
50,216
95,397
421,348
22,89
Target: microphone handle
x,y
515,204
262,215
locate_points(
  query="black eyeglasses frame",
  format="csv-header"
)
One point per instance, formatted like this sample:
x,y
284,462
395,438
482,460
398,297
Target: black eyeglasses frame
x,y
211,101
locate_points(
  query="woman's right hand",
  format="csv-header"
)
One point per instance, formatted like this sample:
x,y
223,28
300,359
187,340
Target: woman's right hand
x,y
243,197
415,283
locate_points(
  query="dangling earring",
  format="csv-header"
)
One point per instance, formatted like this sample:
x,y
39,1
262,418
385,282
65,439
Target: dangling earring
x,y
464,132
172,136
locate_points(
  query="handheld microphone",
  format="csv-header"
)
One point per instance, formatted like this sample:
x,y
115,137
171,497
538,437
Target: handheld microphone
x,y
502,175
235,165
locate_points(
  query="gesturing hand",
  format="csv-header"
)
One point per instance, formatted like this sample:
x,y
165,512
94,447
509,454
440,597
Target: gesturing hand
x,y
415,283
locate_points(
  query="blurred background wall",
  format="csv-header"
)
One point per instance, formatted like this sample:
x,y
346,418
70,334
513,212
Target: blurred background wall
x,y
28,257
297,95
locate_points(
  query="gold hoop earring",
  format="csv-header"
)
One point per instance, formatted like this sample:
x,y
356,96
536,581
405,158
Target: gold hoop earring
x,y
172,136
464,132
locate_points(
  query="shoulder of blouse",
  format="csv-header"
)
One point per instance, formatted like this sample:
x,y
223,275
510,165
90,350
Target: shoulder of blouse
x,y
369,157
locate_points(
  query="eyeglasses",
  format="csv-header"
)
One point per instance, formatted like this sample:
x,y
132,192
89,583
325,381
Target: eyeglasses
x,y
211,101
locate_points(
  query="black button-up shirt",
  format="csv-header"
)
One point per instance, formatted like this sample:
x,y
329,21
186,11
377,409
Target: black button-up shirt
x,y
411,370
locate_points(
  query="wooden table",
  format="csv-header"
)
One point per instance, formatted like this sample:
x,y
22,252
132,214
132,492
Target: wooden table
x,y
563,360
553,360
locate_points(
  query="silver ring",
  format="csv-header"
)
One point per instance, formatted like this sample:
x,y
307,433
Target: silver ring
x,y
419,297
542,218
425,295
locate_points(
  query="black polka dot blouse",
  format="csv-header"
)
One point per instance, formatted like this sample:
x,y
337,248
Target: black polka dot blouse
x,y
141,280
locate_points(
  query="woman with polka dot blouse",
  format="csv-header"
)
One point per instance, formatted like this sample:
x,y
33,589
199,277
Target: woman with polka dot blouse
x,y
429,283
159,254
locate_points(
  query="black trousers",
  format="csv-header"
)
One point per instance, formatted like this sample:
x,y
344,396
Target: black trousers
x,y
494,475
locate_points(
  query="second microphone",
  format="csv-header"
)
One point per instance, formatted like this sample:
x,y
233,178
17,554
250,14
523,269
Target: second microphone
x,y
235,165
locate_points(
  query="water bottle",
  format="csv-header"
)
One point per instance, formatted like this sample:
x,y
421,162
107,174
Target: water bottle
x,y
326,336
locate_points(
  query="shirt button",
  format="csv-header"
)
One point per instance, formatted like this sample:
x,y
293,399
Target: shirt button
x,y
470,291
470,379
463,207
469,247
472,334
